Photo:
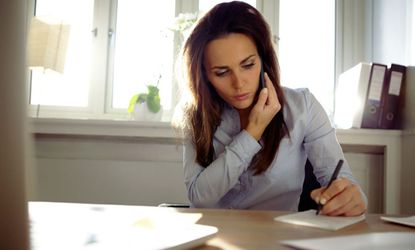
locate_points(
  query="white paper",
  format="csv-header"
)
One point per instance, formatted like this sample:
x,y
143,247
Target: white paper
x,y
408,221
309,218
376,83
395,83
369,241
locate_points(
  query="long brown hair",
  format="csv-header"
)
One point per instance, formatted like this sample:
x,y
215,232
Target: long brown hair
x,y
202,115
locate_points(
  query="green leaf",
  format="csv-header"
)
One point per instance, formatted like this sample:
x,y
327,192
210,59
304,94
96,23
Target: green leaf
x,y
153,103
152,90
152,98
133,101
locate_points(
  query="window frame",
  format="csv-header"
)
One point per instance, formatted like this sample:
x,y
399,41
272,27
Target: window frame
x,y
100,95
96,100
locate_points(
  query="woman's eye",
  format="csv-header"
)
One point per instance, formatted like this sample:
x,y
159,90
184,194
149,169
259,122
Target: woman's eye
x,y
221,73
248,66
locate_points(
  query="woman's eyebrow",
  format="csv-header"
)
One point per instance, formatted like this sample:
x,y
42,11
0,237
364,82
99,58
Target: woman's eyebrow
x,y
242,62
247,58
219,67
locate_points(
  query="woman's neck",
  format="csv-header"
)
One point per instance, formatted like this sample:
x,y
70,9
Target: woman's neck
x,y
244,117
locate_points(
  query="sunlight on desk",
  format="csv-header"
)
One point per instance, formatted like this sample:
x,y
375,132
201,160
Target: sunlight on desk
x,y
93,226
85,226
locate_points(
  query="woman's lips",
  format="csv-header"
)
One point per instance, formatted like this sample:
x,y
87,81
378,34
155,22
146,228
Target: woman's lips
x,y
241,97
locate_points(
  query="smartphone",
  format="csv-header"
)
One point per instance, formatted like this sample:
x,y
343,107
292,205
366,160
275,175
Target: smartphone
x,y
261,79
261,76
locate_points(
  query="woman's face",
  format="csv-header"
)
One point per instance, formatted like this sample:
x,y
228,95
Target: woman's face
x,y
233,66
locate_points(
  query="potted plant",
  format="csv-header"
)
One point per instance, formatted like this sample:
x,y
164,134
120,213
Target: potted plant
x,y
146,106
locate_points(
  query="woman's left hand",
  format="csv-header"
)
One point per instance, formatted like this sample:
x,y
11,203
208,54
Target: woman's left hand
x,y
264,110
341,198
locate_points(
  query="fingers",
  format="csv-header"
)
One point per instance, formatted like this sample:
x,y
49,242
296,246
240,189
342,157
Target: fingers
x,y
263,97
335,188
264,110
316,193
349,209
272,100
348,205
341,198
353,201
356,210
269,85
339,204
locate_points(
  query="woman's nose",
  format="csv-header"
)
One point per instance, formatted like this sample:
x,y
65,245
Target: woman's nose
x,y
237,82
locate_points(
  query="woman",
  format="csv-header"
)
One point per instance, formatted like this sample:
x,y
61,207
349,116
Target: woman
x,y
246,146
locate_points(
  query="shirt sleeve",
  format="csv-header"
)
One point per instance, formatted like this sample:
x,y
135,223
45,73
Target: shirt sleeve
x,y
321,144
207,185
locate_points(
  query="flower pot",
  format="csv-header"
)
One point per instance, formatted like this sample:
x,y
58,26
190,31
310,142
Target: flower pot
x,y
142,113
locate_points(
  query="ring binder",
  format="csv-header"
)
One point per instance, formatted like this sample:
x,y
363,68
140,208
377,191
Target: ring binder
x,y
392,95
372,109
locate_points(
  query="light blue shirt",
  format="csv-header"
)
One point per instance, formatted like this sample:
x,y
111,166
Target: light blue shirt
x,y
229,183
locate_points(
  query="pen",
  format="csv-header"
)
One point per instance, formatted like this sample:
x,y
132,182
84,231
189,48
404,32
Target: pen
x,y
333,177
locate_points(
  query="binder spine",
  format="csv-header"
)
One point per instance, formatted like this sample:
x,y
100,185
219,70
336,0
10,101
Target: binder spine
x,y
392,97
372,109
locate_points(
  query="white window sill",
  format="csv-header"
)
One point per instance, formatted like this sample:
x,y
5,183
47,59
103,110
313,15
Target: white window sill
x,y
105,128
152,129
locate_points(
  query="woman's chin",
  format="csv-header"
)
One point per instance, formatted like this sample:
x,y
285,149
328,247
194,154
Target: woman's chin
x,y
242,105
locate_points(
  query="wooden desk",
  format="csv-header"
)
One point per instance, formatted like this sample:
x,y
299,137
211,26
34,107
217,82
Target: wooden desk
x,y
238,229
244,229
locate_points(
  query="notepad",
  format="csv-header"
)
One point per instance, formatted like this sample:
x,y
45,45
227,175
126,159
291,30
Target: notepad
x,y
407,221
309,218
369,241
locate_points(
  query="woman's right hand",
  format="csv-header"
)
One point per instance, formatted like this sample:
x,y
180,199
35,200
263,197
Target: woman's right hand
x,y
264,110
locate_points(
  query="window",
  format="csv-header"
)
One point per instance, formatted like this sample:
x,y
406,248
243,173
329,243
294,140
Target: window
x,y
307,47
143,50
70,88
118,47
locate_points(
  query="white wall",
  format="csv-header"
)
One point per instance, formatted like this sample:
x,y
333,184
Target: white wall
x,y
392,28
381,31
143,171
115,171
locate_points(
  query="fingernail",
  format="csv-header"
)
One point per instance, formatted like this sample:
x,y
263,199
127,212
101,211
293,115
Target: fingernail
x,y
323,201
